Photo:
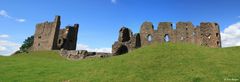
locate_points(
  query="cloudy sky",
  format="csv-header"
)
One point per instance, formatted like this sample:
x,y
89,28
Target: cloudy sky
x,y
100,20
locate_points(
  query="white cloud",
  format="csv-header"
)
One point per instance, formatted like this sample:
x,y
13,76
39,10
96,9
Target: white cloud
x,y
231,35
2,48
7,47
4,36
4,13
86,47
114,1
20,20
238,16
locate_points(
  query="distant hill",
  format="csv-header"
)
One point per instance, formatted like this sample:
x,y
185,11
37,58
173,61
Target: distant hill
x,y
157,62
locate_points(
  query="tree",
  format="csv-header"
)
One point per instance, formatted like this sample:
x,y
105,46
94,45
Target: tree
x,y
27,44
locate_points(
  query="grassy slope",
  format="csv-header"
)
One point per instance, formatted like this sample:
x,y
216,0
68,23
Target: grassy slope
x,y
165,62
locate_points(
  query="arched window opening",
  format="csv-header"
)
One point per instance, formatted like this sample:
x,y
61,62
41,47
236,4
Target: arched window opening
x,y
218,43
149,38
193,33
166,38
181,38
59,41
217,34
39,37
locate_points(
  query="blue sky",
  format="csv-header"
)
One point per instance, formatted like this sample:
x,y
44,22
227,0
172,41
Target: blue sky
x,y
100,20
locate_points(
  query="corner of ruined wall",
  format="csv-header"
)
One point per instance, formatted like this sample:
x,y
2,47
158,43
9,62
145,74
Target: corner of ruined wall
x,y
56,24
210,34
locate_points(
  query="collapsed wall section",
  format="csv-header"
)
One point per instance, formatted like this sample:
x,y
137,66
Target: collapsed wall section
x,y
82,54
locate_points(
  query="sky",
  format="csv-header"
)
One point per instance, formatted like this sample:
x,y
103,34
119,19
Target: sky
x,y
100,20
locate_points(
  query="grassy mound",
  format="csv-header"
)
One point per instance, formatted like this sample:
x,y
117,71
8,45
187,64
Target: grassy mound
x,y
157,62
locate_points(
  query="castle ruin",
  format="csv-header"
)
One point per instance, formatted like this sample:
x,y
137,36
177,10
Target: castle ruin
x,y
207,34
49,36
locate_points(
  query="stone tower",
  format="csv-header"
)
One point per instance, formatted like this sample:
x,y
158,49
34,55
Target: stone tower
x,y
48,36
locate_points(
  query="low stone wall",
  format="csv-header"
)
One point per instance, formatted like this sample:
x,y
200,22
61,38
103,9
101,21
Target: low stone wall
x,y
82,54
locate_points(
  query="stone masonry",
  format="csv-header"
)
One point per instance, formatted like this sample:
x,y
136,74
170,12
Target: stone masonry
x,y
49,36
82,54
126,41
207,34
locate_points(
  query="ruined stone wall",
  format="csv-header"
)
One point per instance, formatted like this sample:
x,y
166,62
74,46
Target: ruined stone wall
x,y
207,34
67,38
146,33
46,34
197,36
49,36
210,34
82,54
165,32
126,42
185,32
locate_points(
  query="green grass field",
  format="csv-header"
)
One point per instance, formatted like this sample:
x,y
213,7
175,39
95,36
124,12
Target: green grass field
x,y
154,63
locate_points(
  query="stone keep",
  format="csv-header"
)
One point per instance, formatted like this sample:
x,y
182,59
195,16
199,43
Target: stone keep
x,y
207,34
49,36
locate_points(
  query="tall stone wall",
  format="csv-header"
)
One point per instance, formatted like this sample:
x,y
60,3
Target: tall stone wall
x,y
207,34
46,34
49,36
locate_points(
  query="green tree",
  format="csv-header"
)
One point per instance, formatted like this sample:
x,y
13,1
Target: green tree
x,y
27,44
